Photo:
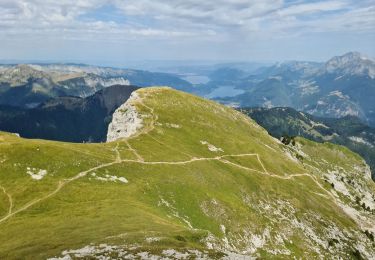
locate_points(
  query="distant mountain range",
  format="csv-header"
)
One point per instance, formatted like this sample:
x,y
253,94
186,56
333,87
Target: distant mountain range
x,y
71,119
29,85
348,131
343,86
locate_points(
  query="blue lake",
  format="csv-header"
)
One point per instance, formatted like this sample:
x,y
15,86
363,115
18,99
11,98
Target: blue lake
x,y
225,91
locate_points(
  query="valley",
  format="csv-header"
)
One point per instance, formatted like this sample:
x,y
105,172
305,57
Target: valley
x,y
342,86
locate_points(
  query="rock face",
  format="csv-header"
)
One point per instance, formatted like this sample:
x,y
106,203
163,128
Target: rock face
x,y
125,120
352,63
97,81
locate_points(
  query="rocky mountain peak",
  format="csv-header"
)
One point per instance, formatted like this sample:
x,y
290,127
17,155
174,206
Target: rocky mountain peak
x,y
20,74
351,63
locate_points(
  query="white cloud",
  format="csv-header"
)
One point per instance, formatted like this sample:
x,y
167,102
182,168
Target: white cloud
x,y
182,22
315,7
178,18
214,13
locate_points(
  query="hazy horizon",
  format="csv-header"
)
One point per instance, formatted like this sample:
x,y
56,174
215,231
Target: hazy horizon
x,y
149,64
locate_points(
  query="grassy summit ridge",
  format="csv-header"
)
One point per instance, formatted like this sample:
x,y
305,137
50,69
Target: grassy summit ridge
x,y
198,176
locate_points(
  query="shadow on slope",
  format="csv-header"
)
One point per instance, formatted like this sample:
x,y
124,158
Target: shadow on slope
x,y
70,119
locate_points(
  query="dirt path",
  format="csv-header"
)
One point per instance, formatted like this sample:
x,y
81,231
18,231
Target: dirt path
x,y
151,126
242,167
118,155
137,155
10,199
58,188
194,159
140,160
288,177
118,160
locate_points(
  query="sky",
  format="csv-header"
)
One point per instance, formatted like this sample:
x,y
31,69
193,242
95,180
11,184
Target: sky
x,y
120,31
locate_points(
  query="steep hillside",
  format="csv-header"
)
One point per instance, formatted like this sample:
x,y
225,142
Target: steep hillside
x,y
196,179
70,119
348,131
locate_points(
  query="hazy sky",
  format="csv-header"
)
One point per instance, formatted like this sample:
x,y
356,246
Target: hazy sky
x,y
246,30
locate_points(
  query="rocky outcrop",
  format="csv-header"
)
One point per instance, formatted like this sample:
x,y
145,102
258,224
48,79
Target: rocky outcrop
x,y
125,120
94,81
352,63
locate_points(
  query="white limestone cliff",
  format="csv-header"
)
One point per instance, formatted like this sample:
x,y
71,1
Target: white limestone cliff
x,y
125,120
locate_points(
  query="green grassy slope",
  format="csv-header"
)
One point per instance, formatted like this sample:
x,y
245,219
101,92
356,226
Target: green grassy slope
x,y
348,131
198,176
